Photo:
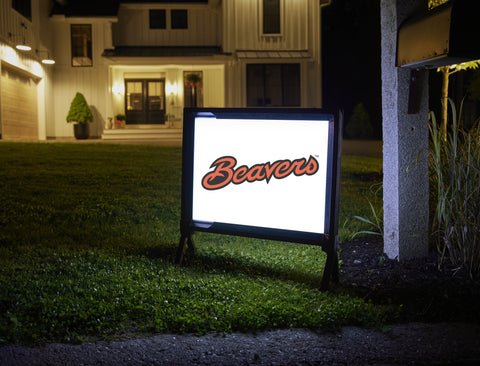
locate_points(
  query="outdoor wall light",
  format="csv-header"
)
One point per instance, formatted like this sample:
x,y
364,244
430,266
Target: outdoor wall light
x,y
45,60
23,47
22,44
118,89
172,92
172,89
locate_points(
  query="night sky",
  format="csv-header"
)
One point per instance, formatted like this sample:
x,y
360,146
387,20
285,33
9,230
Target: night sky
x,y
351,58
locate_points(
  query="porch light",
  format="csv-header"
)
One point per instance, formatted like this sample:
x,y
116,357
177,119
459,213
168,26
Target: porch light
x,y
172,89
118,89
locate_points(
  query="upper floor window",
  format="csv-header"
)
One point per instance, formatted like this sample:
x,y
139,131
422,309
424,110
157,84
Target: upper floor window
x,y
81,44
271,17
158,19
179,19
24,7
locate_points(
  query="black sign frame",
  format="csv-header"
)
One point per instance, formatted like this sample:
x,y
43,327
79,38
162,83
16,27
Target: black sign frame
x,y
328,240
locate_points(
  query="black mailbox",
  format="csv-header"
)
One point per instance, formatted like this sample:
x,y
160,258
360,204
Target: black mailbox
x,y
446,35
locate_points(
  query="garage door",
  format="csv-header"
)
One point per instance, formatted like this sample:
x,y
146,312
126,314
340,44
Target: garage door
x,y
18,105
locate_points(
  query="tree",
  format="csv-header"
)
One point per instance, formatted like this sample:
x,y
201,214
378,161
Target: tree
x,y
434,3
359,125
446,72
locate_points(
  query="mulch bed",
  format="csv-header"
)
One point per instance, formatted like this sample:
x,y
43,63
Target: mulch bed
x,y
419,287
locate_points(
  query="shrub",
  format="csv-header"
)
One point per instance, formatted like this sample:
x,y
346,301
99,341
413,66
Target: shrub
x,y
359,125
455,181
79,110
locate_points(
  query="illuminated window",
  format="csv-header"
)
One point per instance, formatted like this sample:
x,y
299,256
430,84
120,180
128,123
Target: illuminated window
x,y
158,19
81,45
134,95
24,7
179,19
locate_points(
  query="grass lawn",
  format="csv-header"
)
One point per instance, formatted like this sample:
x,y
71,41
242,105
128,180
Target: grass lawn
x,y
88,234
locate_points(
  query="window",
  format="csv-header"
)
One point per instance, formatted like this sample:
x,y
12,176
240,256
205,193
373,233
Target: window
x,y
179,19
158,19
192,89
134,95
271,17
24,7
81,44
273,85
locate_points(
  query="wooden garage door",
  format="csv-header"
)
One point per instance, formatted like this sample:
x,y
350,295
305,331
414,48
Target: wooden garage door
x,y
19,105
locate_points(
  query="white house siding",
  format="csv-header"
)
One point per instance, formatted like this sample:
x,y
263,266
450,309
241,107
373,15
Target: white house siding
x,y
300,37
36,33
233,25
213,84
133,28
93,84
91,81
241,22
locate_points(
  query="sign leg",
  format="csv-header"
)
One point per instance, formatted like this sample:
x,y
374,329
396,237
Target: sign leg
x,y
331,271
185,241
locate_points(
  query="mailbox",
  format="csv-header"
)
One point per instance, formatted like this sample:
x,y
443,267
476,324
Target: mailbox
x,y
446,35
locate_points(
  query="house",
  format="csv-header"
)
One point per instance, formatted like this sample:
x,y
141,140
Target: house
x,y
147,60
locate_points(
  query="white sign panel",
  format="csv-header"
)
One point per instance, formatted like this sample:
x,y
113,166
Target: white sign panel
x,y
260,172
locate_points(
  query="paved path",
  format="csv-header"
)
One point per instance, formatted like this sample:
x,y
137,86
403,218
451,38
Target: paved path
x,y
403,344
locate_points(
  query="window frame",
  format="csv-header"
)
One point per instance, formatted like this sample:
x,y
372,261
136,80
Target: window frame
x,y
196,90
88,46
154,13
262,4
178,11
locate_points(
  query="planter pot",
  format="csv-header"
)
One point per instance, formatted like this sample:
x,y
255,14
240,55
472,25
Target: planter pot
x,y
81,131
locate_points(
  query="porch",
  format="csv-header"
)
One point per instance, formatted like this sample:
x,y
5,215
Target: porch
x,y
144,132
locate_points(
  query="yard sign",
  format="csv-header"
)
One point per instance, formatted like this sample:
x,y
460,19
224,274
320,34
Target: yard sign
x,y
263,173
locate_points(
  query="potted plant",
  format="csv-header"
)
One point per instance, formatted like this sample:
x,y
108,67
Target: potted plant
x,y
120,121
81,115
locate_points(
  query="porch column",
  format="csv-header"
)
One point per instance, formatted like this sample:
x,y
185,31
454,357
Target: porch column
x,y
405,137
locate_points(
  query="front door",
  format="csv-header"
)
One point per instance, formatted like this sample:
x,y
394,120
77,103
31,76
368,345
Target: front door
x,y
145,101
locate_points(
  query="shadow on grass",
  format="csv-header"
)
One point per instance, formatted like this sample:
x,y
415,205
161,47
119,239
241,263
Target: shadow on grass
x,y
220,262
224,263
